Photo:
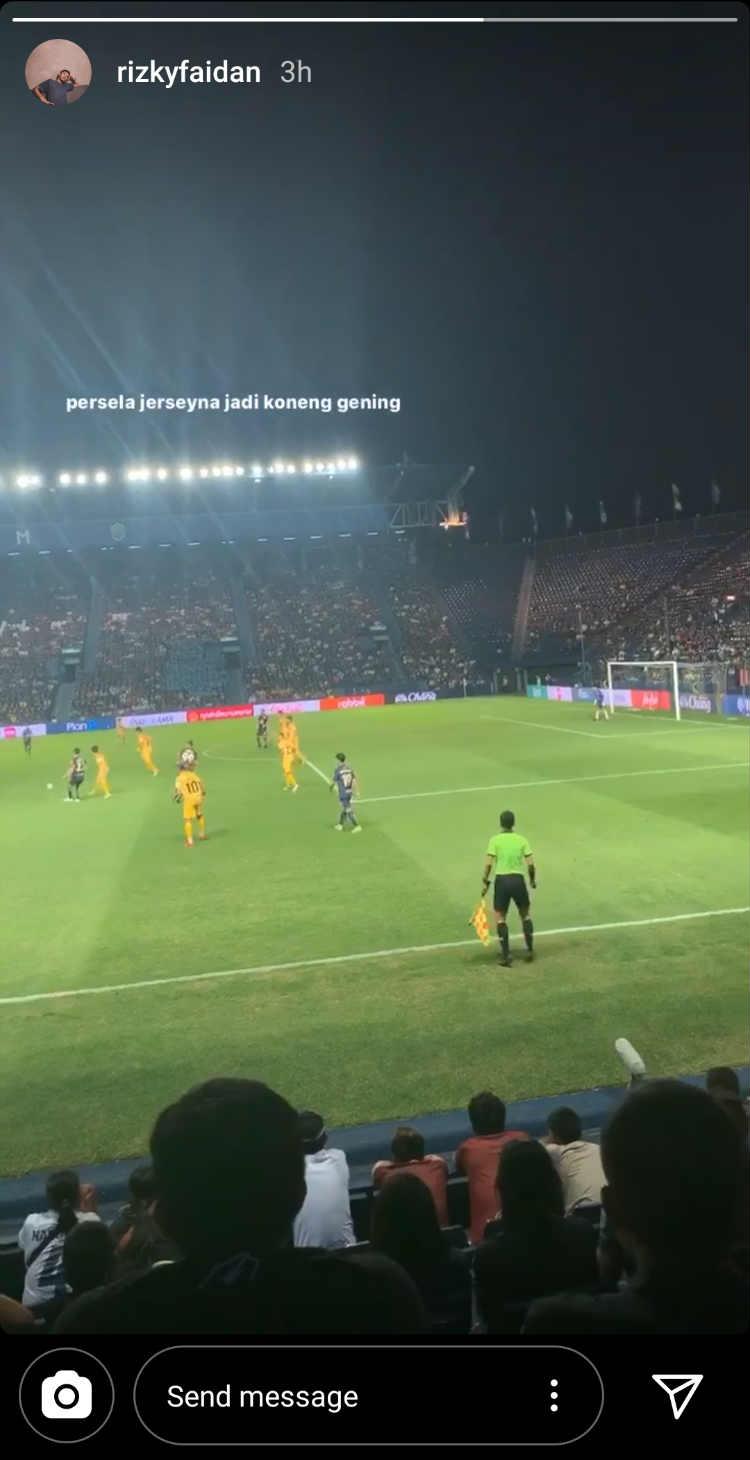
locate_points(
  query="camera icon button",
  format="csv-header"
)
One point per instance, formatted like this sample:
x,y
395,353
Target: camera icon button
x,y
66,1395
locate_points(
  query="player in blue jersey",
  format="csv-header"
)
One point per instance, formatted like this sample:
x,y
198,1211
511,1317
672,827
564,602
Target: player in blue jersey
x,y
345,782
600,705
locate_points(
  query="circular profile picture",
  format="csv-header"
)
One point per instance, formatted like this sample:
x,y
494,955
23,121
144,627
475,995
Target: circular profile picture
x,y
58,72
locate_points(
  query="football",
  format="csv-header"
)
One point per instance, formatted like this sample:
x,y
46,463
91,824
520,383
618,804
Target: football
x,y
49,786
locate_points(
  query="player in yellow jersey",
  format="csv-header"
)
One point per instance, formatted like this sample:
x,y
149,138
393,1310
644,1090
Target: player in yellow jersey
x,y
120,728
190,791
145,750
293,740
101,783
286,751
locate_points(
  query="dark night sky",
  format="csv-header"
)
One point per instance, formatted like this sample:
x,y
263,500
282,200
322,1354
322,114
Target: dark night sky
x,y
535,235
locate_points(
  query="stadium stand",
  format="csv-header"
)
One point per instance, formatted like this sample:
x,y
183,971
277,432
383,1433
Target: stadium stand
x,y
352,619
315,636
43,610
703,615
159,637
667,598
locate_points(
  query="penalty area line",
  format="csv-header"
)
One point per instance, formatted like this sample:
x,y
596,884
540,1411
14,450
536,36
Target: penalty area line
x,y
150,983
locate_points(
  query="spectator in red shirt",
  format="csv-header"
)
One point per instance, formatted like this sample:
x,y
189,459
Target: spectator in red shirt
x,y
407,1150
477,1158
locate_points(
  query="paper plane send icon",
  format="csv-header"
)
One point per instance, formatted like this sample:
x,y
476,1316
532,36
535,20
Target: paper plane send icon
x,y
680,1389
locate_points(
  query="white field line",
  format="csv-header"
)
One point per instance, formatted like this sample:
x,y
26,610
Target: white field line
x,y
604,736
727,765
148,983
318,771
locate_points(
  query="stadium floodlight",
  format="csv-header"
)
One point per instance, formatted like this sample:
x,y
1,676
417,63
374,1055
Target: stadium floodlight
x,y
203,471
341,464
320,466
227,471
307,466
215,471
162,474
239,471
64,478
330,468
256,470
186,473
100,477
81,479
276,466
352,463
291,470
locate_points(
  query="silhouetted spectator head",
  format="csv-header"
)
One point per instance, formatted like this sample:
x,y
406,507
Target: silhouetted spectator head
x,y
724,1078
405,1224
88,1256
64,1196
487,1114
142,1186
313,1133
407,1144
564,1126
674,1176
734,1110
229,1169
528,1186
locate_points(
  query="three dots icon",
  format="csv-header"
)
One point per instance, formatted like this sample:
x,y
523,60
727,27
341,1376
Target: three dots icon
x,y
553,1395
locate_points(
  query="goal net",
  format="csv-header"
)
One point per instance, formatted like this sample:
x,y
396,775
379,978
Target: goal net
x,y
665,684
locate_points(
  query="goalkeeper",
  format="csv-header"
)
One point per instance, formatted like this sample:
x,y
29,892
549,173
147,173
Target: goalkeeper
x,y
508,857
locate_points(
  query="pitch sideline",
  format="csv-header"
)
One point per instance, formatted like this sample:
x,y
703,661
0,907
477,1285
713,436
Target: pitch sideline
x,y
146,983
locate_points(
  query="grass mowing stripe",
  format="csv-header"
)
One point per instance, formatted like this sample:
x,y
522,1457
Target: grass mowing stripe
x,y
726,765
147,983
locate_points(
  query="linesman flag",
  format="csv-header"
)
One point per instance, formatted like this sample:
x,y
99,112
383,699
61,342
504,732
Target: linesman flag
x,y
480,924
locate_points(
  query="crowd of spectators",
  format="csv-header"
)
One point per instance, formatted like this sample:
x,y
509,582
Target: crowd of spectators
x,y
242,1224
315,636
601,584
351,621
165,606
430,653
483,610
43,610
702,617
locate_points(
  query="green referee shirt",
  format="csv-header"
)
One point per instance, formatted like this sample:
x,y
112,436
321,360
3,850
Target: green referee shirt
x,y
510,852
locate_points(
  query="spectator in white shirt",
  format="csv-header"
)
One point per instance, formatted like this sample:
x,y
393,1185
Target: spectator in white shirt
x,y
324,1219
578,1162
42,1236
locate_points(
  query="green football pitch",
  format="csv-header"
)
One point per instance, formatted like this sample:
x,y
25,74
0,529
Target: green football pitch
x,y
341,969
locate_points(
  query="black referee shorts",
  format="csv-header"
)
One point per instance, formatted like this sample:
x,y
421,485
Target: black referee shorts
x,y
511,888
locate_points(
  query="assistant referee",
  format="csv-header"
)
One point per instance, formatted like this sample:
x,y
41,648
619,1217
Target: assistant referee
x,y
509,855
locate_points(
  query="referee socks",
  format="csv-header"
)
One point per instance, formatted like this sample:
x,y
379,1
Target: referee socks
x,y
528,933
502,933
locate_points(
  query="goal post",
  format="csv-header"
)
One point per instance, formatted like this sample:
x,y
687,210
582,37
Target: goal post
x,y
644,678
644,684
